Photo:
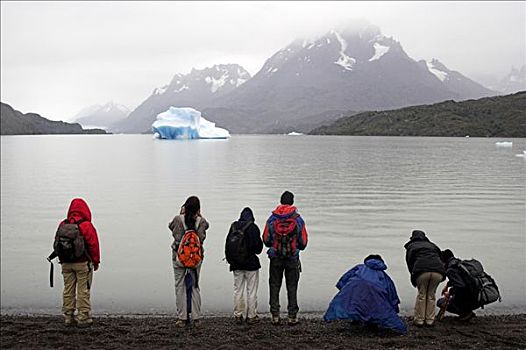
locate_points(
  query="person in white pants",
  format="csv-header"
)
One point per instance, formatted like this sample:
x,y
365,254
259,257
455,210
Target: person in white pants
x,y
243,244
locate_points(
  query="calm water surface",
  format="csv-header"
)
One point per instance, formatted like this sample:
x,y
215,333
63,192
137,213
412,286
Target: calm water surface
x,y
358,195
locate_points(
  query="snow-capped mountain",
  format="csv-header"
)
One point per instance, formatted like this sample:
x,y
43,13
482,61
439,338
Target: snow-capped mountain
x,y
308,82
101,116
353,69
196,89
456,82
514,81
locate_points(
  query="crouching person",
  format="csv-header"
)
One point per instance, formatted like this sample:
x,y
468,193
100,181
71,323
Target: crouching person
x,y
468,287
77,248
242,245
368,295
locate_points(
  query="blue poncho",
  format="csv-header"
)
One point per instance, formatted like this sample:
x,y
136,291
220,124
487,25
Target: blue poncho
x,y
367,294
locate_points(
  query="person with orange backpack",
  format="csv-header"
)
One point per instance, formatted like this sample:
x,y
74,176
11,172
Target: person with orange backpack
x,y
285,234
76,245
189,232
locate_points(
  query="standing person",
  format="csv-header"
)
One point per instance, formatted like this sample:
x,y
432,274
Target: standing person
x,y
424,262
285,234
189,232
242,245
367,294
77,247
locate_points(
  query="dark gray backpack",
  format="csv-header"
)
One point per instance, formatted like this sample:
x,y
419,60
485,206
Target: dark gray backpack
x,y
483,287
69,242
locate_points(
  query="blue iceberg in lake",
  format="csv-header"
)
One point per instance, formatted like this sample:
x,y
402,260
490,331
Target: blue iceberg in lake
x,y
186,123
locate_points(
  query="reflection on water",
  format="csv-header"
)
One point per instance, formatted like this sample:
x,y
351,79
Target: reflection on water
x,y
358,195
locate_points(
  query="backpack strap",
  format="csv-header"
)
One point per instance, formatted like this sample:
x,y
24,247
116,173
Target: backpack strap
x,y
242,230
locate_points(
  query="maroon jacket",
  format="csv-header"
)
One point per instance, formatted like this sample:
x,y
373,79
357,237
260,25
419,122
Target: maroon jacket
x,y
79,210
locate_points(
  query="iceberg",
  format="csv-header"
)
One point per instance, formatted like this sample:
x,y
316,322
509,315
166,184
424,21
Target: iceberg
x,y
186,123
294,133
504,144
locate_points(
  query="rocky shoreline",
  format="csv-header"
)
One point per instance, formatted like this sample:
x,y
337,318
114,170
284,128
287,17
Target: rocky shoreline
x,y
118,332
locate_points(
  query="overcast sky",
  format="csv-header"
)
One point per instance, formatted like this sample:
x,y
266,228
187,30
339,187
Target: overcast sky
x,y
58,57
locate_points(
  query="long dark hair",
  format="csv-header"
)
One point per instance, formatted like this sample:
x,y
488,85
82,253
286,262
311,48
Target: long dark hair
x,y
191,207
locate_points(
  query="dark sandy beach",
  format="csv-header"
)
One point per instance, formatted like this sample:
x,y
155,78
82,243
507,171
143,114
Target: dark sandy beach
x,y
37,332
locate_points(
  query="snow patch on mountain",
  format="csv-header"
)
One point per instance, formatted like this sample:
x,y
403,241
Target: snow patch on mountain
x,y
435,71
344,60
379,51
216,83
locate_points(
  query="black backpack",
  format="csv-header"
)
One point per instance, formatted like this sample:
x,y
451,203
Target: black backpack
x,y
482,286
236,250
69,242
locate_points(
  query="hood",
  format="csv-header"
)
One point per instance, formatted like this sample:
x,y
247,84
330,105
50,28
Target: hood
x,y
417,235
78,209
284,210
376,264
247,215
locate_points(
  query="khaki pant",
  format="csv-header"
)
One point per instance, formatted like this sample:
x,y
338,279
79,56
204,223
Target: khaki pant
x,y
427,284
248,280
77,283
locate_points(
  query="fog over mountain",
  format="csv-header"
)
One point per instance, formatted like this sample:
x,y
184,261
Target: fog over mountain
x,y
308,82
58,57
102,116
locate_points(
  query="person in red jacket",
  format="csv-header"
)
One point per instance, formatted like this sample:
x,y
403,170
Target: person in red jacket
x,y
78,274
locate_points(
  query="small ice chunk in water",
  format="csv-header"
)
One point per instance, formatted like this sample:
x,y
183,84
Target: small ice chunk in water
x,y
186,123
504,143
294,133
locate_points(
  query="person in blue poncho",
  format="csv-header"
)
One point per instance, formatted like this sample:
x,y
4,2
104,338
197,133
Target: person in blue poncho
x,y
367,294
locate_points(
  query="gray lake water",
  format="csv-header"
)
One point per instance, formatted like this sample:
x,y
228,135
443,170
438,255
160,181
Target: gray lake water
x,y
358,195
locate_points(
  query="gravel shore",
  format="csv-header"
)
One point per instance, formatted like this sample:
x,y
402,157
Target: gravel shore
x,y
153,332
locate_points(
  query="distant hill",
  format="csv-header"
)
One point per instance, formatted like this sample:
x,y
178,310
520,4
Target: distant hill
x,y
13,122
102,116
500,116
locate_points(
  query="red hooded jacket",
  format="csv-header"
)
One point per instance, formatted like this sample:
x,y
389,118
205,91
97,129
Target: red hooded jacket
x,y
79,210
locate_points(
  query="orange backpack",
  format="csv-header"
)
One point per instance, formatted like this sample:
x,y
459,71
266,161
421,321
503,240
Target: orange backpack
x,y
190,251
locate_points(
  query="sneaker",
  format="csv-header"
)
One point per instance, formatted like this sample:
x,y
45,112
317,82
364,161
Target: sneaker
x,y
418,323
275,320
430,323
292,321
239,319
85,324
253,320
180,323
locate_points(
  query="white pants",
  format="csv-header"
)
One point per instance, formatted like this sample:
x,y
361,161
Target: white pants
x,y
251,280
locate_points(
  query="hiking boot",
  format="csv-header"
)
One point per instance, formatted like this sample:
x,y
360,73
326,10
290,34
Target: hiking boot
x,y
252,320
85,324
430,323
292,321
238,319
275,320
69,321
467,317
180,323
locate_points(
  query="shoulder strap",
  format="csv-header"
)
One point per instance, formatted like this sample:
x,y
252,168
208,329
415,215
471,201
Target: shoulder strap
x,y
246,226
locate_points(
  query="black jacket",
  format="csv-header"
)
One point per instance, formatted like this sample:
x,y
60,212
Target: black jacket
x,y
253,241
463,299
423,256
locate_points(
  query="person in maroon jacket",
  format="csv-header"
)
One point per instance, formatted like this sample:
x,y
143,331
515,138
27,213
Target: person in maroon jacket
x,y
78,274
